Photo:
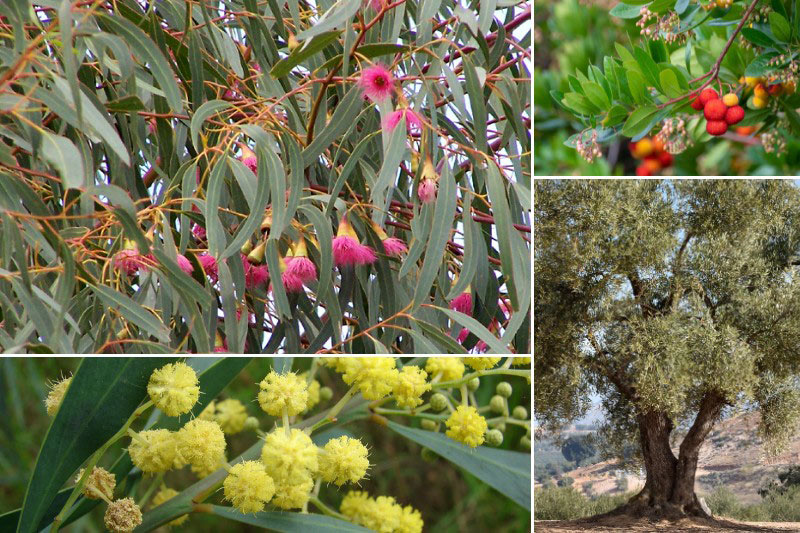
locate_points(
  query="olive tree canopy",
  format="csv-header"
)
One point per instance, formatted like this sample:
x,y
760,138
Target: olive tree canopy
x,y
674,301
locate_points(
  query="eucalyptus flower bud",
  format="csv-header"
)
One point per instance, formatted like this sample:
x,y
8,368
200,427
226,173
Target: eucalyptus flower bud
x,y
520,413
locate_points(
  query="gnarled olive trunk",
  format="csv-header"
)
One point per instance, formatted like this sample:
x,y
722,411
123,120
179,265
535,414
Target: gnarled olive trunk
x,y
669,486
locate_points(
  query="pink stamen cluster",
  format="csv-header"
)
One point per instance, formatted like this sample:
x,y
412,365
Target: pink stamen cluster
x,y
302,268
426,191
348,251
394,246
130,261
254,275
209,265
413,122
376,82
462,303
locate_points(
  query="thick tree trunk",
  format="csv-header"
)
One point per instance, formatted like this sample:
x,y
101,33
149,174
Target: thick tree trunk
x,y
669,486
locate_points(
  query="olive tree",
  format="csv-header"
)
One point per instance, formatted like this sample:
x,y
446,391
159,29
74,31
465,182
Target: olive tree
x,y
675,302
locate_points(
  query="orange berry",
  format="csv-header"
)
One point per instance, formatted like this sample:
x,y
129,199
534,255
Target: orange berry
x,y
745,130
730,99
761,92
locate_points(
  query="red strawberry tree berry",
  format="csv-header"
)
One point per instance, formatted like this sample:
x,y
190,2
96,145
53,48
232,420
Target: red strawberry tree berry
x,y
701,70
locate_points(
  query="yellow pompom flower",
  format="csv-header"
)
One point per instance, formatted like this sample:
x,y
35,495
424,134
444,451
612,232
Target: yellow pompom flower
x,y
201,443
283,454
481,363
122,516
374,376
279,391
339,364
467,426
293,491
342,460
451,368
410,386
56,394
521,361
313,392
154,451
231,416
174,388
410,521
382,514
248,486
163,495
206,469
209,412
100,482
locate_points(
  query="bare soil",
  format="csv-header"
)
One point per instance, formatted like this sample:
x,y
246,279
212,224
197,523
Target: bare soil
x,y
619,524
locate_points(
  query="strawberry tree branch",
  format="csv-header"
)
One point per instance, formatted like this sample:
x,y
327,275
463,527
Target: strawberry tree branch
x,y
714,72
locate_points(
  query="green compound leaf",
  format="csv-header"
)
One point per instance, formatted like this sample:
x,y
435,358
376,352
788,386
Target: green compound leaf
x,y
288,522
103,394
508,472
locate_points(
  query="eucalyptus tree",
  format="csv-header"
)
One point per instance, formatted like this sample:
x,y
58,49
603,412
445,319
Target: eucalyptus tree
x,y
162,164
676,302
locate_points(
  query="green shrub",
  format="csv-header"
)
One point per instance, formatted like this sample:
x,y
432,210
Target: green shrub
x,y
560,503
783,507
566,503
722,502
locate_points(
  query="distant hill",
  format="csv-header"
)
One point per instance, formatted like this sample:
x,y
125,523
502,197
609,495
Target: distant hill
x,y
732,456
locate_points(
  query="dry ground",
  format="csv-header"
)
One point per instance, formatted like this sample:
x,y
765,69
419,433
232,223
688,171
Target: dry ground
x,y
619,524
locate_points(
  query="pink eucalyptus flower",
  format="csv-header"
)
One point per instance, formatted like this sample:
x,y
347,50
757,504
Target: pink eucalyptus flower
x,y
301,267
346,248
249,158
391,120
427,191
185,265
348,251
377,82
394,246
377,5
481,347
199,232
291,282
254,275
129,260
462,303
462,335
209,265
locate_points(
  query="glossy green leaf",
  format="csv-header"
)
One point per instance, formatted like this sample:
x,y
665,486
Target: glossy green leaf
x,y
669,83
508,472
780,26
638,121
